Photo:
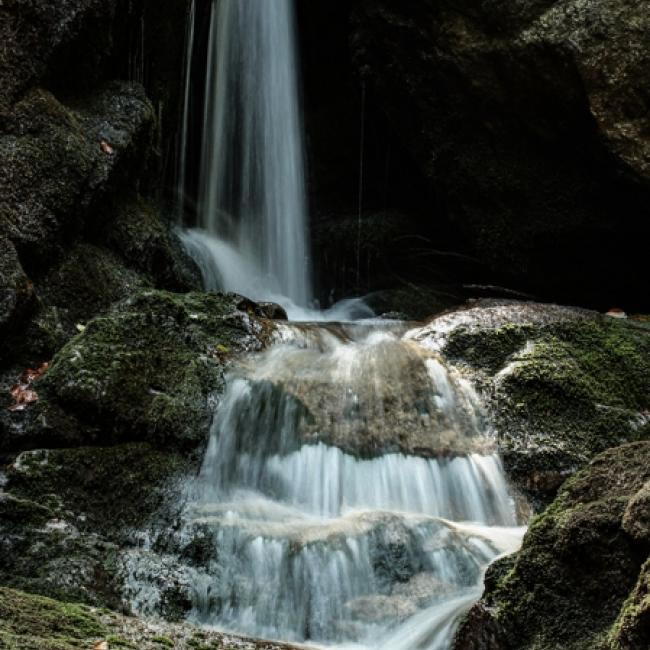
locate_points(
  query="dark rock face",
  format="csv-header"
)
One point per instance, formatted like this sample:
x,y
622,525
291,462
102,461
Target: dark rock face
x,y
578,581
561,384
527,122
79,153
59,160
16,291
33,32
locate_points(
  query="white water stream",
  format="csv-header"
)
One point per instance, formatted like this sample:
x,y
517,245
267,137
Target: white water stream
x,y
253,214
348,543
350,494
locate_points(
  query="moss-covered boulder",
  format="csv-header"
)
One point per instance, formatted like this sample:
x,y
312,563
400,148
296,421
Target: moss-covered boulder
x,y
30,622
578,582
58,159
146,370
561,384
632,629
67,515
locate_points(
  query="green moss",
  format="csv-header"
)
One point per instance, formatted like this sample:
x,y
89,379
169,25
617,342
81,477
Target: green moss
x,y
565,588
118,642
562,391
28,621
488,349
145,370
163,641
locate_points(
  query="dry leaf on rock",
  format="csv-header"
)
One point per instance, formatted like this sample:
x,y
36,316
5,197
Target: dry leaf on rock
x,y
23,394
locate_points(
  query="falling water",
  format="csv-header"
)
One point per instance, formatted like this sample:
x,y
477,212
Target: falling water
x,y
252,186
322,529
350,494
181,174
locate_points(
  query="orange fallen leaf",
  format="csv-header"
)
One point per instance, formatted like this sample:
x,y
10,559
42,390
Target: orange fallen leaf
x,y
106,148
30,375
23,394
101,645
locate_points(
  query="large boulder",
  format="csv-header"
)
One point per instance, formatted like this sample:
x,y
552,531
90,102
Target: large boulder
x,y
529,122
66,514
561,384
146,370
58,160
578,580
31,622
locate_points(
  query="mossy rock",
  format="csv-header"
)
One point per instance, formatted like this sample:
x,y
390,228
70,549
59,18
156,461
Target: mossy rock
x,y
135,231
29,622
105,489
66,515
561,384
632,629
577,567
146,370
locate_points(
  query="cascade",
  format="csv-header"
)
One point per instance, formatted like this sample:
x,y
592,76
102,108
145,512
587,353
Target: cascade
x,y
350,494
325,525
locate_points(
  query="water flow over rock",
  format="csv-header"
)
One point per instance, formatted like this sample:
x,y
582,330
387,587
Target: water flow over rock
x,y
306,536
252,195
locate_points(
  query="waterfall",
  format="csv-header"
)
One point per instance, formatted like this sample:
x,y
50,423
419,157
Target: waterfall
x,y
350,493
181,173
317,539
252,205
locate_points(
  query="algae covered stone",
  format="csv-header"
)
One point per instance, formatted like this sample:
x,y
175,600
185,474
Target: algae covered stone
x,y
578,570
561,384
147,369
66,515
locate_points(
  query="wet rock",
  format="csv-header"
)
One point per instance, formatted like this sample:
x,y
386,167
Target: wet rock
x,y
513,108
148,369
16,291
272,310
56,166
561,384
65,514
136,232
376,609
577,570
